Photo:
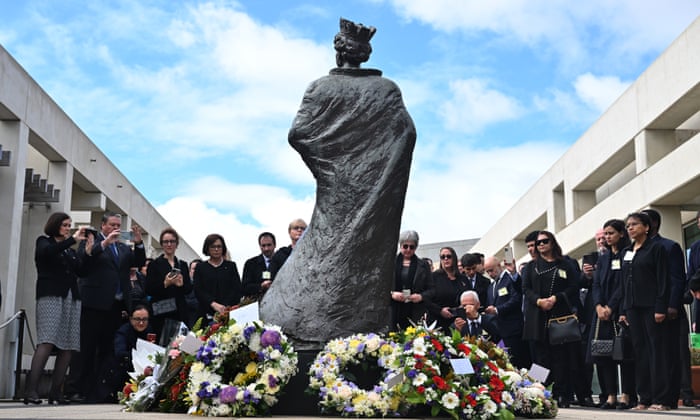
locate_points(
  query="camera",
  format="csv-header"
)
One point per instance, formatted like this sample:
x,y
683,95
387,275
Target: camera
x,y
458,312
126,235
89,230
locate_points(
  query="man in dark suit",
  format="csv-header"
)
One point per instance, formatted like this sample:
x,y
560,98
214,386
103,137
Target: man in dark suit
x,y
256,271
505,303
477,282
676,339
107,266
469,322
693,267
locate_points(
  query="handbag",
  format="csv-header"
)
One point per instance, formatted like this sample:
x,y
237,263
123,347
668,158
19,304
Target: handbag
x,y
564,329
622,348
601,348
164,306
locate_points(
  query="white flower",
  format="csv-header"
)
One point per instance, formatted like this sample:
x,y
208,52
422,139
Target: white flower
x,y
449,400
490,406
419,347
507,398
373,344
275,354
344,392
254,343
419,379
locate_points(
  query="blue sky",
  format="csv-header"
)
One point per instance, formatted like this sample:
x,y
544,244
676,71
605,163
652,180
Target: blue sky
x,y
192,100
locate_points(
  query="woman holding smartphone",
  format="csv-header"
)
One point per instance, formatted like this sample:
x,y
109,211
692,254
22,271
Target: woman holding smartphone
x,y
168,282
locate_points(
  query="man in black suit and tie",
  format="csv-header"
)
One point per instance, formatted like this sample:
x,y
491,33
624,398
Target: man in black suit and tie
x,y
256,271
106,278
505,303
477,282
469,322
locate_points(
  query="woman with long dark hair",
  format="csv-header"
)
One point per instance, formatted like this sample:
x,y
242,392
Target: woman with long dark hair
x,y
550,287
57,305
606,300
644,301
449,284
413,281
218,285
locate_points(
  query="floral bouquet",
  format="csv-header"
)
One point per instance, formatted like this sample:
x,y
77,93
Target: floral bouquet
x,y
336,386
240,370
141,392
532,399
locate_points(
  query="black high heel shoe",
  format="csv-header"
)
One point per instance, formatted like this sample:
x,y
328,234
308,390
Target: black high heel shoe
x,y
58,401
30,400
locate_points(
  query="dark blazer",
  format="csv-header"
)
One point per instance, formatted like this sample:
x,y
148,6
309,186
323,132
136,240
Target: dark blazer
x,y
57,265
422,282
487,323
220,284
125,339
278,259
155,276
253,270
676,271
481,288
104,274
508,302
535,287
693,266
645,279
446,293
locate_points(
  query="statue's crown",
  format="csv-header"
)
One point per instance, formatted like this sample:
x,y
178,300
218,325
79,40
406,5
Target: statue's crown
x,y
358,32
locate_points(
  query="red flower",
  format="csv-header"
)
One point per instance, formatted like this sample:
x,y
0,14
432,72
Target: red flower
x,y
420,389
492,366
495,396
128,389
471,401
440,383
437,345
496,383
464,348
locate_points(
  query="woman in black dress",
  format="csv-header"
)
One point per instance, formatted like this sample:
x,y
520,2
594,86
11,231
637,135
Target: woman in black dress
x,y
218,285
644,301
168,283
449,284
606,301
412,283
57,305
550,284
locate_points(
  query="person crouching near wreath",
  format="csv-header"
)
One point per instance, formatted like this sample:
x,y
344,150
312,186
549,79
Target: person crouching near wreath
x,y
469,322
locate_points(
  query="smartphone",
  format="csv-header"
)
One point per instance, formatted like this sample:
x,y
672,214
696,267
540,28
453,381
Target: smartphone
x,y
91,230
591,258
126,235
508,254
174,272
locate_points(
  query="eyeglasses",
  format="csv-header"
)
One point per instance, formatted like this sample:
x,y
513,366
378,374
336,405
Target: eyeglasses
x,y
139,319
542,242
216,246
298,227
445,256
407,246
169,241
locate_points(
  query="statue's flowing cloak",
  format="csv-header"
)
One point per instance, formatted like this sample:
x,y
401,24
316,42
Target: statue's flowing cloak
x,y
355,135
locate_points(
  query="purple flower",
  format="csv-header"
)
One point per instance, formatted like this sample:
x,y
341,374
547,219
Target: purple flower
x,y
228,394
248,331
272,381
270,338
411,373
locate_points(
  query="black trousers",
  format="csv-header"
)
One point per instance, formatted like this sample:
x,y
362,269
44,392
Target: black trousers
x,y
650,357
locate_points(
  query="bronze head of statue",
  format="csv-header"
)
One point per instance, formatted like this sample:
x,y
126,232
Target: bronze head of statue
x,y
352,43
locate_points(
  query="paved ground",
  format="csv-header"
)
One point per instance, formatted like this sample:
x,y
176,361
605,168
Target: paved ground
x,y
15,410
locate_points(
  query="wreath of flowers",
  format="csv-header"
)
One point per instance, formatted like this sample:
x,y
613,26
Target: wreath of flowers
x,y
532,399
430,379
240,370
340,394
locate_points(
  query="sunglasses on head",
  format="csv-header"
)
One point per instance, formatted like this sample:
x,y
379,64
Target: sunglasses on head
x,y
408,246
542,242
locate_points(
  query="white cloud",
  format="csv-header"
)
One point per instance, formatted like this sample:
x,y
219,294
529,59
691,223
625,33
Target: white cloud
x,y
474,105
599,92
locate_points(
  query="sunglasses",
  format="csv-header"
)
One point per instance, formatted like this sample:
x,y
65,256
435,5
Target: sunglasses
x,y
445,256
542,242
407,246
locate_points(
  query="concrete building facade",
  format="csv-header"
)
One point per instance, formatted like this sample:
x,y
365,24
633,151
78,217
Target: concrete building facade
x,y
644,151
48,164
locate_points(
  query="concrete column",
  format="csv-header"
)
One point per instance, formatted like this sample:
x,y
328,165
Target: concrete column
x,y
556,213
652,145
14,136
671,223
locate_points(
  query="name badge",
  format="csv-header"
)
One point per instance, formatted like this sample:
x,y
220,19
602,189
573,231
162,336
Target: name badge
x,y
502,291
266,275
562,273
615,264
629,255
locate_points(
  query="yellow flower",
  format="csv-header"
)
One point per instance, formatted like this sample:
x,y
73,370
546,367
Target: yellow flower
x,y
251,368
239,379
354,343
358,399
411,330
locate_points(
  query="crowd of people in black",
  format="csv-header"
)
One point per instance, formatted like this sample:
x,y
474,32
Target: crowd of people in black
x,y
96,295
634,287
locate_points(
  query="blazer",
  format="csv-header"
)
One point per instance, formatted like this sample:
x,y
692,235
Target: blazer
x,y
220,284
57,267
481,288
422,282
676,270
487,323
157,270
645,278
104,273
253,270
504,295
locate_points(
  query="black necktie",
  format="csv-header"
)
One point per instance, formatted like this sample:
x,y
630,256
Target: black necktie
x,y
475,328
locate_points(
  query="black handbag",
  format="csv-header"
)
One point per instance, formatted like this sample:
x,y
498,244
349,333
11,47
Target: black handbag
x,y
564,329
622,348
601,348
